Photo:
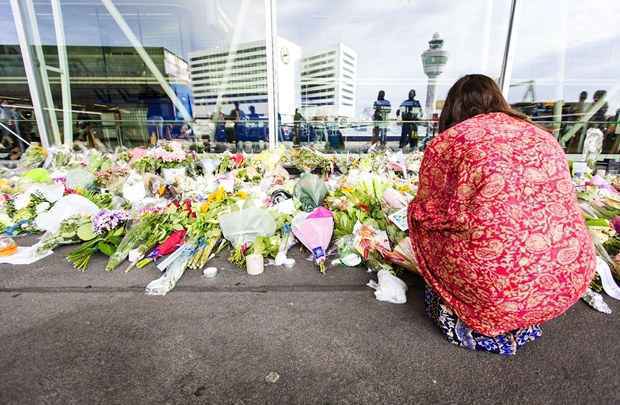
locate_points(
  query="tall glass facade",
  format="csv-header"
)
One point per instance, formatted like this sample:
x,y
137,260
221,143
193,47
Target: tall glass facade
x,y
107,73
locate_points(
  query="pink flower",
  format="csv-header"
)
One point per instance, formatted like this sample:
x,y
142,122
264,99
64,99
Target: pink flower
x,y
137,153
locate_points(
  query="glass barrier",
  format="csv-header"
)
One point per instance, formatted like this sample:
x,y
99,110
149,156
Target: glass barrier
x,y
365,67
128,73
125,70
568,76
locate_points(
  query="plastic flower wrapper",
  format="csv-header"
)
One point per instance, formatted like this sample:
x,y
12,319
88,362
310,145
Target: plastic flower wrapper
x,y
133,189
152,228
347,254
310,190
315,231
68,232
169,245
246,225
33,157
67,206
287,241
395,199
79,178
204,234
173,273
209,166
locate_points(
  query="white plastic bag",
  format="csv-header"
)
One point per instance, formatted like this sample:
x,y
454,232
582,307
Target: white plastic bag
x,y
389,288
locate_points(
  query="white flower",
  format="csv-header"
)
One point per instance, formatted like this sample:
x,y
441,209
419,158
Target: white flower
x,y
42,207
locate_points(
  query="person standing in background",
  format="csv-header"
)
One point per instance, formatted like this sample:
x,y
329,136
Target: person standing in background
x,y
298,119
233,124
577,113
411,111
382,109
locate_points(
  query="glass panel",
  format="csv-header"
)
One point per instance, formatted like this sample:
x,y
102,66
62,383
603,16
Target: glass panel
x,y
350,50
560,72
131,65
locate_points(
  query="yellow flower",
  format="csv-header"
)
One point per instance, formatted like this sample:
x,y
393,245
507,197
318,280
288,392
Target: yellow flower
x,y
217,196
242,194
204,207
404,188
346,189
220,194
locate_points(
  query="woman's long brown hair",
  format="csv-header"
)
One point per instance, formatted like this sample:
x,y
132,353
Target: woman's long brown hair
x,y
472,95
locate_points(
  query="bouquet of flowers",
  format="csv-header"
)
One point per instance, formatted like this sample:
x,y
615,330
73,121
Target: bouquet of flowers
x,y
151,228
205,234
103,234
33,157
71,230
315,231
111,177
307,160
21,220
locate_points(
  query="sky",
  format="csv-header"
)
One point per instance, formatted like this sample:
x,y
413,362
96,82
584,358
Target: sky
x,y
564,46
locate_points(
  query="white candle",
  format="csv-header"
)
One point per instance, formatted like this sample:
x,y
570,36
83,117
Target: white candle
x,y
254,264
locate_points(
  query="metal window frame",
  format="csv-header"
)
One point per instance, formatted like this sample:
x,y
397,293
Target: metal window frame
x,y
509,48
65,82
271,42
38,84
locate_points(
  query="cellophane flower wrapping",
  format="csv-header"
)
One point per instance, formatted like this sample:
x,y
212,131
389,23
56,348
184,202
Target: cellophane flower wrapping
x,y
310,190
315,231
246,225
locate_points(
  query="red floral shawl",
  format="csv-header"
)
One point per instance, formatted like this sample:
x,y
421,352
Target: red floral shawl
x,y
495,225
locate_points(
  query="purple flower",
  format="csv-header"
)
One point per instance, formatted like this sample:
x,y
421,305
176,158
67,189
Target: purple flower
x,y
106,220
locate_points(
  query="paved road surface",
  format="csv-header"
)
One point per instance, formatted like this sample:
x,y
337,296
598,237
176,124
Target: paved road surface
x,y
95,338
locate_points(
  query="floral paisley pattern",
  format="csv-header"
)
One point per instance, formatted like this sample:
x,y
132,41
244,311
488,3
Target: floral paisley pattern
x,y
495,225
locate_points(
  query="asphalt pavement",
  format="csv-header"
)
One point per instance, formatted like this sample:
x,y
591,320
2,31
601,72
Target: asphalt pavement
x,y
284,337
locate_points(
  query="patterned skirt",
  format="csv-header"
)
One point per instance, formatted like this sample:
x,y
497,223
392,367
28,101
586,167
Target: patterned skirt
x,y
461,335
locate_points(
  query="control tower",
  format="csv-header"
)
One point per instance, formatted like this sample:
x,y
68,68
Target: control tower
x,y
434,60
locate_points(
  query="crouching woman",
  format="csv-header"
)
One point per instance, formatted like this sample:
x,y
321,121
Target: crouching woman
x,y
495,225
